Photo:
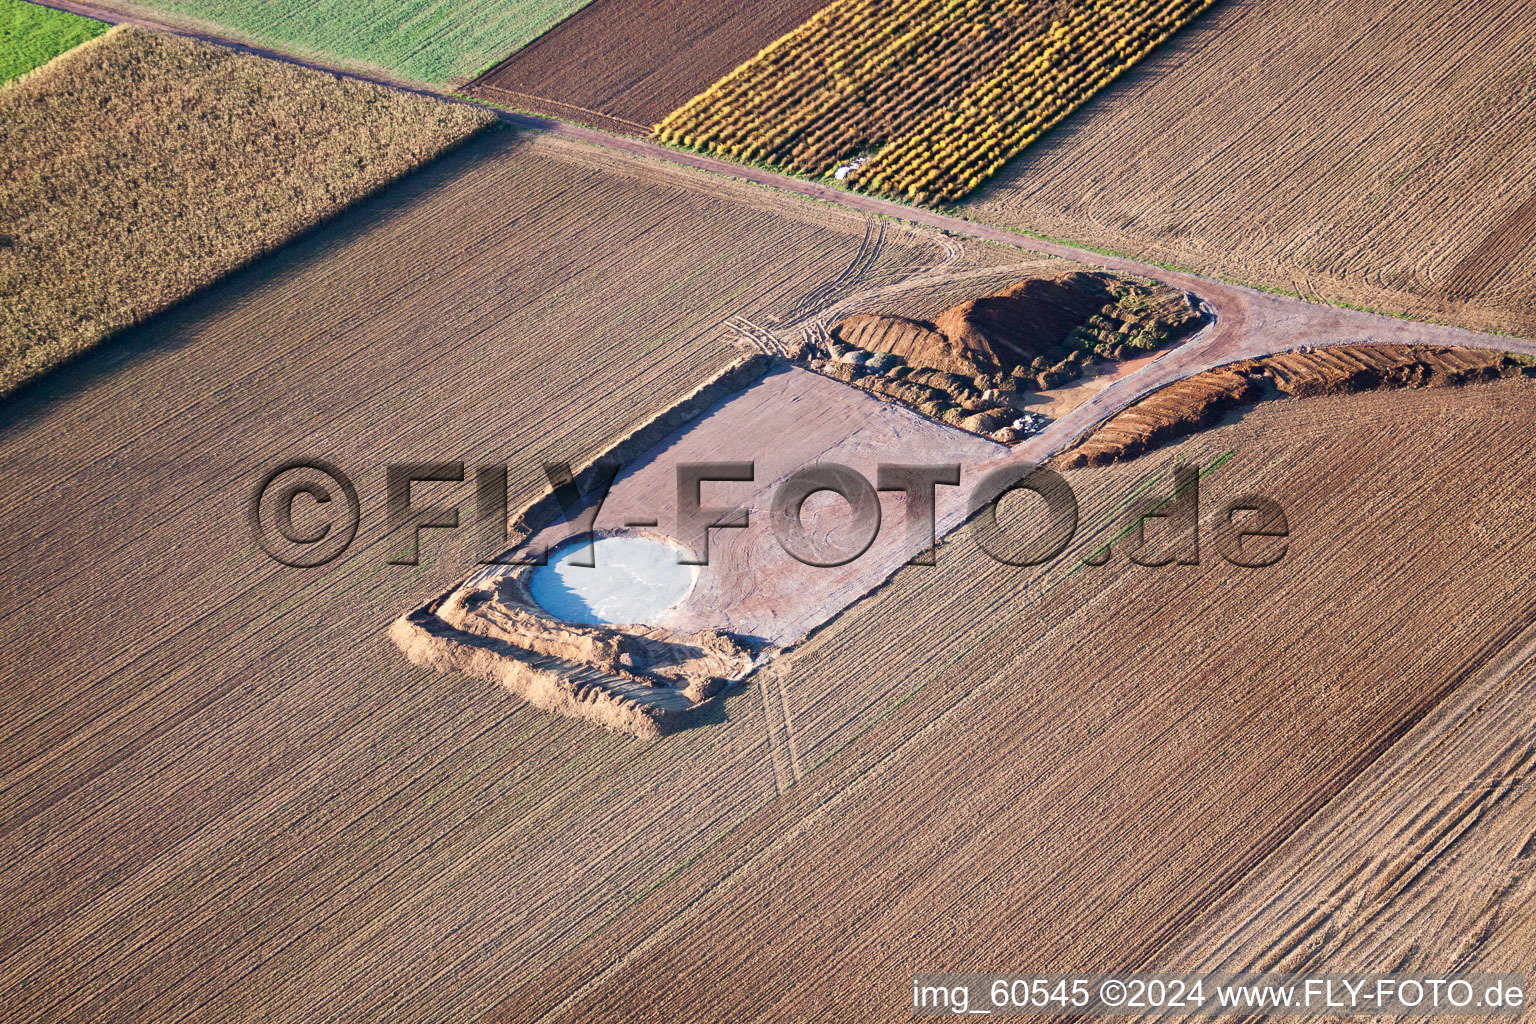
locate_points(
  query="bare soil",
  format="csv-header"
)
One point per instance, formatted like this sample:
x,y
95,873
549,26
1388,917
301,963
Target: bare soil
x,y
1384,158
750,600
974,364
223,773
225,794
628,63
1005,766
1425,859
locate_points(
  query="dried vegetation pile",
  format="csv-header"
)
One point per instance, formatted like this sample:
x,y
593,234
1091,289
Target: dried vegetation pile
x,y
141,167
929,96
967,365
1197,402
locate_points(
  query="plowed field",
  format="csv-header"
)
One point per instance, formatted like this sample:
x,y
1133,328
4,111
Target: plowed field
x,y
212,763
989,777
225,793
1426,859
625,64
1380,157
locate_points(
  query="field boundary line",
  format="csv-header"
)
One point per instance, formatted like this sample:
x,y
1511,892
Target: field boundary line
x,y
789,728
1509,238
530,100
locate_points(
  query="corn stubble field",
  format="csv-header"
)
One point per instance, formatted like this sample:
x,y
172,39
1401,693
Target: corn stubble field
x,y
139,168
937,94
1381,157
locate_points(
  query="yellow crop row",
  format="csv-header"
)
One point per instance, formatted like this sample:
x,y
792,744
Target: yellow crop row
x,y
935,95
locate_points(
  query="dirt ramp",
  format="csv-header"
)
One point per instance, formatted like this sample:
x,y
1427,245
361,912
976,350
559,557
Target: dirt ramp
x,y
916,341
1330,371
1180,409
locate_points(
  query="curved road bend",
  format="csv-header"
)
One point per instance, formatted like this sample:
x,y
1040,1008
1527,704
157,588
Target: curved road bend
x,y
1248,323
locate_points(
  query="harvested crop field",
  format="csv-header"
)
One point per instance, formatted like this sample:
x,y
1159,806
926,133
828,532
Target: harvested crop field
x,y
625,64
1383,158
1029,322
1424,860
1069,780
226,794
218,773
31,36
437,41
140,168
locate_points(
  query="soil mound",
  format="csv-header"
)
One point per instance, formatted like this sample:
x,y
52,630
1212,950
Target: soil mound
x,y
1039,319
916,341
968,366
1024,322
1191,405
1357,368
1177,410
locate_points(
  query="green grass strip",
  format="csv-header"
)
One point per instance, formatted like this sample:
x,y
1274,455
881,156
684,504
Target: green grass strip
x,y
31,36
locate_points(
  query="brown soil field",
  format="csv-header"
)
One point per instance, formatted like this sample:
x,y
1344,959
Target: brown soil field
x,y
141,167
623,65
225,794
1381,158
1197,402
226,773
1424,861
997,768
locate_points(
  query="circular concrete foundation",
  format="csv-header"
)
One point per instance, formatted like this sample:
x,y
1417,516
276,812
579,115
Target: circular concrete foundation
x,y
635,579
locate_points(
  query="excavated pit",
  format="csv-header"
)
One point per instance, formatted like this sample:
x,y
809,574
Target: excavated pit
x,y
637,643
